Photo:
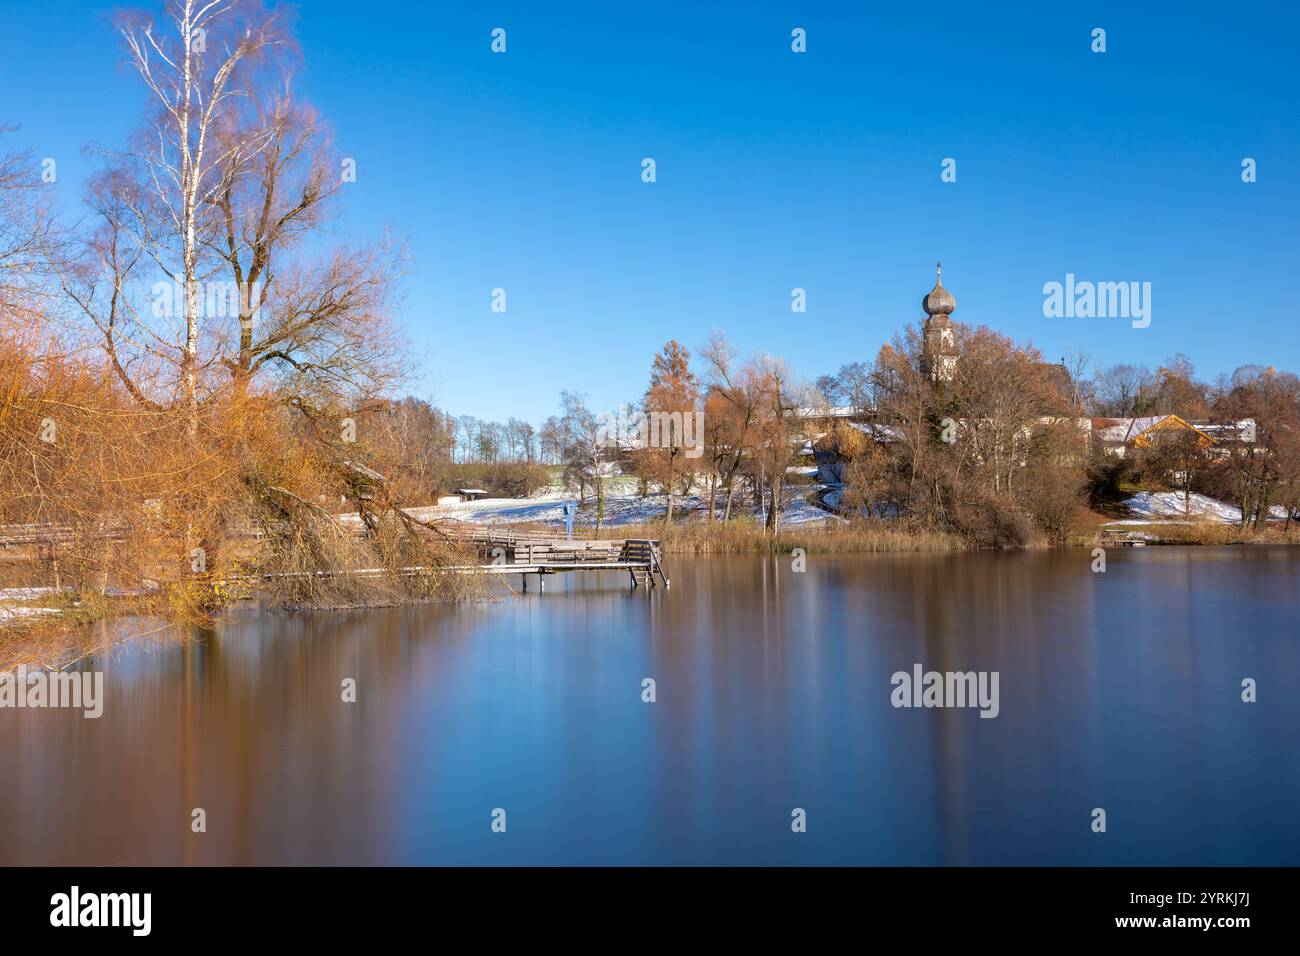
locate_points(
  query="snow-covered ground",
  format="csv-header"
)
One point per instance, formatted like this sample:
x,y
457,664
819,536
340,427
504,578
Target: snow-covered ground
x,y
1169,506
11,608
8,612
622,507
800,510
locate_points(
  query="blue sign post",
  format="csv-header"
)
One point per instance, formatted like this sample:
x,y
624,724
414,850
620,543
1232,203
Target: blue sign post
x,y
570,508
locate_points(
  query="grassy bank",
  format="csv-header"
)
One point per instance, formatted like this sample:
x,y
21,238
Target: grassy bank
x,y
1207,533
747,537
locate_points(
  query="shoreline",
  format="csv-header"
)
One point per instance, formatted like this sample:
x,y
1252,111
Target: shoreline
x,y
34,617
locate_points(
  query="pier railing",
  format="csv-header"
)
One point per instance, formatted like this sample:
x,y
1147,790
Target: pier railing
x,y
503,551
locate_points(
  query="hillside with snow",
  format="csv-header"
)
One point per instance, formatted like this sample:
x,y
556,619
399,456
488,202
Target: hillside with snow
x,y
1170,506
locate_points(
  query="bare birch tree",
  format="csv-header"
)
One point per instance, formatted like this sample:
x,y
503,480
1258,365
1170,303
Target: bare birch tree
x,y
155,201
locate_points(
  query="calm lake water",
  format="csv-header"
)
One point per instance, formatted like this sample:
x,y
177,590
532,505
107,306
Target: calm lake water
x,y
1119,690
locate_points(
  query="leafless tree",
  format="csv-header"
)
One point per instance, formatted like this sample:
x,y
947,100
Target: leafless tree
x,y
25,232
583,448
320,323
732,410
156,198
1124,390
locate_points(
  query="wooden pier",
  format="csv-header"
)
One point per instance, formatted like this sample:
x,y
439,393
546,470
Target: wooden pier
x,y
525,553
1113,538
496,550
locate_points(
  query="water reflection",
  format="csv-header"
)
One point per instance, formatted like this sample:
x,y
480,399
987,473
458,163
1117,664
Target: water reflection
x,y
1119,690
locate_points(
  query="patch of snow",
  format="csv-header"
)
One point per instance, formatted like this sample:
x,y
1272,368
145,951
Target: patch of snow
x,y
10,613
620,509
800,509
24,594
1165,505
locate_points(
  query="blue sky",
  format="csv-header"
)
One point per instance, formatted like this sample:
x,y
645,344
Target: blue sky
x,y
775,170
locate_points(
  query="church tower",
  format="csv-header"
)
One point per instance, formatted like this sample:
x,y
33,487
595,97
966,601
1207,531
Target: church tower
x,y
939,350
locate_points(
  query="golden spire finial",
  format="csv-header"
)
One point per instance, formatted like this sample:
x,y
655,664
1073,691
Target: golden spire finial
x,y
938,271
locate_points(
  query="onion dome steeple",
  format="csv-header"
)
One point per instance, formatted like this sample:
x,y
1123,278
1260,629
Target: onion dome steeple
x,y
939,340
940,300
